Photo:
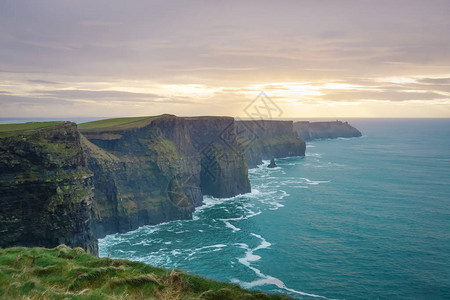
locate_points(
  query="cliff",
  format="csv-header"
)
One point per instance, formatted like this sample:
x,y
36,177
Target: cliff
x,y
156,169
224,171
65,273
325,130
45,187
267,139
60,186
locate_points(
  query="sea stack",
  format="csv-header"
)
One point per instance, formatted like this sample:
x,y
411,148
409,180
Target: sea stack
x,y
272,163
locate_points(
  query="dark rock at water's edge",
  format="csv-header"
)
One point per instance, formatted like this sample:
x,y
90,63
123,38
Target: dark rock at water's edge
x,y
325,130
272,163
60,186
45,188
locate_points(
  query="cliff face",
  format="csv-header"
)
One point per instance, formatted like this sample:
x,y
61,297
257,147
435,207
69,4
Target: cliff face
x,y
157,169
45,189
57,186
224,172
263,140
325,130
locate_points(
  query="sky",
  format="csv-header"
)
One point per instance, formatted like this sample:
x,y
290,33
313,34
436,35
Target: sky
x,y
336,59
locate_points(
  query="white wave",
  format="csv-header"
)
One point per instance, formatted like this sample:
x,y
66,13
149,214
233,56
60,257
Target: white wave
x,y
217,247
209,201
245,217
272,198
343,139
310,146
264,243
263,279
312,154
335,164
292,164
160,258
275,168
143,243
274,281
252,214
313,182
277,206
123,251
249,254
229,225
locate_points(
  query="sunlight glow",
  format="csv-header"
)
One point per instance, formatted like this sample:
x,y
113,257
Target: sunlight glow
x,y
294,91
398,80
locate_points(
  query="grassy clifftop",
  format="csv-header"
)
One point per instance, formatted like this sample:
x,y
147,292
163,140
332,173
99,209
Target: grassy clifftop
x,y
117,124
12,129
65,273
26,126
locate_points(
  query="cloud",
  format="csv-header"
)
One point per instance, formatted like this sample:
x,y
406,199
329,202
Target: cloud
x,y
45,82
22,100
382,96
225,48
90,96
93,94
435,81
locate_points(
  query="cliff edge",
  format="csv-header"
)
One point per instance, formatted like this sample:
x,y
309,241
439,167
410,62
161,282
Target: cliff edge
x,y
46,189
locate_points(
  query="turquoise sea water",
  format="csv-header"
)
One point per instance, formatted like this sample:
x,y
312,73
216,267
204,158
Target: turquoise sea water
x,y
361,218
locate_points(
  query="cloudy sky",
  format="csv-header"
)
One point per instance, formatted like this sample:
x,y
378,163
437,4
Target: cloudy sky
x,y
61,58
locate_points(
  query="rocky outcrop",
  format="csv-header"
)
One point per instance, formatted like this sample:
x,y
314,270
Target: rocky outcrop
x,y
272,164
157,170
266,139
46,189
325,130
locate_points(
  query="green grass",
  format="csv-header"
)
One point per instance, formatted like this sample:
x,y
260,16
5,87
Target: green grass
x,y
65,273
26,126
117,123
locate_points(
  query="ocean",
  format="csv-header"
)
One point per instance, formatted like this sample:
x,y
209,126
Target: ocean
x,y
359,218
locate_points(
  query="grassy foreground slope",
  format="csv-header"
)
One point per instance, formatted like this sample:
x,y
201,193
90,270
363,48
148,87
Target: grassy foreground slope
x,y
66,273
